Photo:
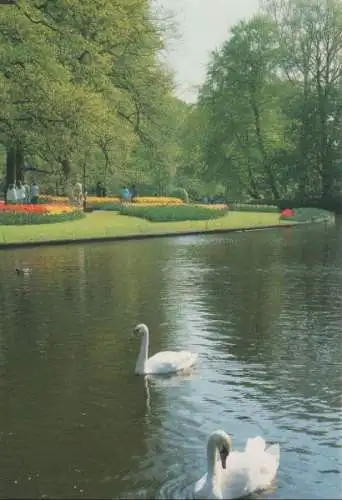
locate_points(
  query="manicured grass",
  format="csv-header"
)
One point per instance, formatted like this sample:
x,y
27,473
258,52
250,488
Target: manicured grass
x,y
109,224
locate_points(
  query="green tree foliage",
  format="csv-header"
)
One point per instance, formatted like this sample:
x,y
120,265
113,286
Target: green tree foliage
x,y
310,33
81,85
85,95
239,96
270,107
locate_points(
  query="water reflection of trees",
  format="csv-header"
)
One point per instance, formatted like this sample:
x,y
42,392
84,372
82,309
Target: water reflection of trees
x,y
280,302
67,356
68,359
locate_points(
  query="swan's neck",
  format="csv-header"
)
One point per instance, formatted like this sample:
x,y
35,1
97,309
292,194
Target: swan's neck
x,y
143,354
212,461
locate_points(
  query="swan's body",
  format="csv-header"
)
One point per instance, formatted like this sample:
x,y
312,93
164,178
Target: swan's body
x,y
163,362
23,270
239,473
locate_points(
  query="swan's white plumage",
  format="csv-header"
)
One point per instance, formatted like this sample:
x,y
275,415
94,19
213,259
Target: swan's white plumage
x,y
162,362
246,471
170,361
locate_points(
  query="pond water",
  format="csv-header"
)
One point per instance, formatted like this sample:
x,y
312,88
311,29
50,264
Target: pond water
x,y
263,311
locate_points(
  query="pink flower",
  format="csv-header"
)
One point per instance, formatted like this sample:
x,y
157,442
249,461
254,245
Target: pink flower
x,y
287,212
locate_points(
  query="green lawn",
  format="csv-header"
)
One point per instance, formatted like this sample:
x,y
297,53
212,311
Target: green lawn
x,y
109,224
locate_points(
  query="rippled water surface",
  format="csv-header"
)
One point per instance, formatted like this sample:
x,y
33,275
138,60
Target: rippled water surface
x,y
262,309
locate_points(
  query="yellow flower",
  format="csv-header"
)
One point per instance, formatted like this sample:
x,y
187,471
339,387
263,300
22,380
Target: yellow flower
x,y
218,206
158,200
55,209
114,200
110,199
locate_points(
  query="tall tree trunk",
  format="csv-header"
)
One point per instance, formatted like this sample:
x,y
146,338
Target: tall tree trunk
x,y
66,170
253,188
266,164
14,165
304,139
326,166
10,169
19,164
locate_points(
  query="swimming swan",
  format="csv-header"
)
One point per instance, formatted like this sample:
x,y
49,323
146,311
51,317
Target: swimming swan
x,y
162,362
235,474
23,270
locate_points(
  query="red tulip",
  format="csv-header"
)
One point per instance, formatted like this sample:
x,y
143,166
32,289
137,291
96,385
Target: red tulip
x,y
287,212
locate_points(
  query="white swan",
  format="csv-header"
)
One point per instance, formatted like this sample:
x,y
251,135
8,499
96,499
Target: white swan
x,y
163,362
235,474
23,270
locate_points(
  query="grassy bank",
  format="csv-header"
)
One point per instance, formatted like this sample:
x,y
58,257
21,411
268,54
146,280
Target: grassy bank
x,y
109,225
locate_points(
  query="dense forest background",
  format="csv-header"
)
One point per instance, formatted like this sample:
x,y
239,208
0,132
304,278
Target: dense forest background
x,y
85,95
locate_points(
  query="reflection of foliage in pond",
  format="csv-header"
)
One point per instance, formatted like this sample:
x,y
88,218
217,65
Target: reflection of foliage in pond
x,y
79,334
282,296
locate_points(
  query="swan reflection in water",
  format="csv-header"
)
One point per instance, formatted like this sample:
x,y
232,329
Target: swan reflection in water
x,y
165,380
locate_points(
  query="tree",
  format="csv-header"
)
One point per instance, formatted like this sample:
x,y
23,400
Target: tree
x,y
239,97
81,79
271,103
311,36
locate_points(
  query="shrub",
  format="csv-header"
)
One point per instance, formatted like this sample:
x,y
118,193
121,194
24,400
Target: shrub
x,y
244,207
332,203
309,214
171,213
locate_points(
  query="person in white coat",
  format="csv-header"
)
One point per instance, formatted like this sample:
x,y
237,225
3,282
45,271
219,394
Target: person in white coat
x,y
21,193
27,193
11,195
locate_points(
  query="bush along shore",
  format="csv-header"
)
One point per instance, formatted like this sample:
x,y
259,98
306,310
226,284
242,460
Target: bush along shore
x,y
309,215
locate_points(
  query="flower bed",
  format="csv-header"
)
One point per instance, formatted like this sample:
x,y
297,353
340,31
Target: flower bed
x,y
217,206
171,213
48,200
13,214
102,203
112,203
158,200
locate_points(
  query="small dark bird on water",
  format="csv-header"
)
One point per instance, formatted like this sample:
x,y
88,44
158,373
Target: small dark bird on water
x,y
23,270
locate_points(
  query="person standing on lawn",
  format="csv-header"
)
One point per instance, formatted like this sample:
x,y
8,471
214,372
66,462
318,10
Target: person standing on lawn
x,y
34,193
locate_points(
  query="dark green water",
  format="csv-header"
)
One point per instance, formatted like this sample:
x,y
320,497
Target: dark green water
x,y
262,309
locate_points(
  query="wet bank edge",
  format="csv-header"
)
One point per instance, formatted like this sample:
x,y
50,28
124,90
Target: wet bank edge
x,y
141,236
